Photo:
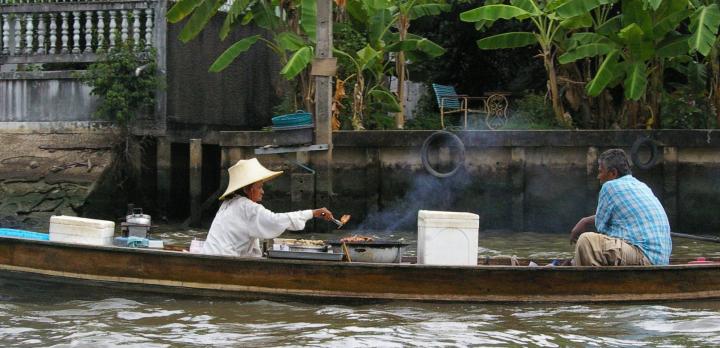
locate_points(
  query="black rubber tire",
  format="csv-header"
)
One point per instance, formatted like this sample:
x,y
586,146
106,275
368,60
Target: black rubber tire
x,y
426,146
654,155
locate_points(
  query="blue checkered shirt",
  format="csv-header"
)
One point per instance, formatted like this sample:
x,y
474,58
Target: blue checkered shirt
x,y
628,209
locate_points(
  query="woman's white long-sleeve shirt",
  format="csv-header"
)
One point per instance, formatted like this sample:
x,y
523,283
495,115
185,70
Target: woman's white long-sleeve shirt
x,y
240,224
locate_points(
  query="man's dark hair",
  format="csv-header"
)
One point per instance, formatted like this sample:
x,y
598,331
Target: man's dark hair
x,y
616,159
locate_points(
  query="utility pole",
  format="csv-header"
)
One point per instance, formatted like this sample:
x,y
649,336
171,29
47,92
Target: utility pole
x,y
322,160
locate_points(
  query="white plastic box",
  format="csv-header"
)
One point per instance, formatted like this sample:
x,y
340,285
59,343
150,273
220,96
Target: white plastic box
x,y
447,238
72,229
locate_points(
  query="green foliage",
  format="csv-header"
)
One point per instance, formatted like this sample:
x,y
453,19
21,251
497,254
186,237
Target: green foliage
x,y
686,109
532,111
126,81
380,121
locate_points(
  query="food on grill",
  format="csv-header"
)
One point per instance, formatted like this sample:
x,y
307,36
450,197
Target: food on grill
x,y
299,242
344,219
356,239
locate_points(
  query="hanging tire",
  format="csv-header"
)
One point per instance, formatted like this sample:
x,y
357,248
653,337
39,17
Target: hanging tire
x,y
426,146
652,147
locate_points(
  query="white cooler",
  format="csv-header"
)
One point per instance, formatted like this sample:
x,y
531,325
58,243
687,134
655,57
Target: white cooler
x,y
447,238
72,229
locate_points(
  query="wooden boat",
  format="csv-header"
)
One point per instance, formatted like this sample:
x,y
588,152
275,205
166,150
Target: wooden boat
x,y
492,281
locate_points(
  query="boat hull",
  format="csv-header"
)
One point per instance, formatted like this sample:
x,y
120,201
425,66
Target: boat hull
x,y
206,275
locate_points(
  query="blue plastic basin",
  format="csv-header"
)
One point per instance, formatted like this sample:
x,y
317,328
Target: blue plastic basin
x,y
298,118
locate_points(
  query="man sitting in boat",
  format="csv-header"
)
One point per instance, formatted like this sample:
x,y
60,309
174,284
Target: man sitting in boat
x,y
632,224
241,221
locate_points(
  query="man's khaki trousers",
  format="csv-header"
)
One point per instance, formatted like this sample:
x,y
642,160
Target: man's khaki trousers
x,y
595,249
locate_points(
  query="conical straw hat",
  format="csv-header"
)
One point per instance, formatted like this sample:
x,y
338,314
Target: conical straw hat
x,y
246,172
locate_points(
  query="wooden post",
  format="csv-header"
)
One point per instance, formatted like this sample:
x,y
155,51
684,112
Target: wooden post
x,y
670,183
322,160
160,40
164,174
592,184
195,181
517,179
373,177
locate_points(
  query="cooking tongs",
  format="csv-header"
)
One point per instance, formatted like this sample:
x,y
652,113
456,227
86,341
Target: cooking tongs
x,y
340,223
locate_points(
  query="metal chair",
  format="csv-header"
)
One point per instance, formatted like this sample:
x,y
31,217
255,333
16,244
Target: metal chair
x,y
493,106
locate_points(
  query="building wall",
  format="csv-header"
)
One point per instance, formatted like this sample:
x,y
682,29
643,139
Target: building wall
x,y
240,97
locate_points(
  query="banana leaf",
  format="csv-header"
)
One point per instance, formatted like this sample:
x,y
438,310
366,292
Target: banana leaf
x,y
586,51
507,40
233,52
604,75
297,63
635,81
492,13
704,25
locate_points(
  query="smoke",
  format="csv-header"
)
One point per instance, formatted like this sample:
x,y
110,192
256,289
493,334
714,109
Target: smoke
x,y
426,193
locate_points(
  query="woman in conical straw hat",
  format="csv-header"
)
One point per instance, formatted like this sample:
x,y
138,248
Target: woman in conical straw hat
x,y
241,222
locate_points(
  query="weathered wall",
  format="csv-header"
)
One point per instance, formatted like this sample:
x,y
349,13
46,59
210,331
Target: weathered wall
x,y
239,97
526,180
45,174
44,97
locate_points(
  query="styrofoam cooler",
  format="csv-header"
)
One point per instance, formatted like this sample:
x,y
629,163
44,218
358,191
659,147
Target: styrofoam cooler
x,y
447,238
73,229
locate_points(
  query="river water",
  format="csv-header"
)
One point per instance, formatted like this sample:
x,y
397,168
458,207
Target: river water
x,y
43,314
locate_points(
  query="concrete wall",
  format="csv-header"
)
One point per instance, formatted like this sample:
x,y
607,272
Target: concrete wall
x,y
44,174
523,180
44,97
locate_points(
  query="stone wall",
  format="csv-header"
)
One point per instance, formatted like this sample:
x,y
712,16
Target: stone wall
x,y
45,174
522,180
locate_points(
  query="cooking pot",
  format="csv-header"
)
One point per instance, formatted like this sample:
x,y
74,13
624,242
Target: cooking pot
x,y
138,218
378,251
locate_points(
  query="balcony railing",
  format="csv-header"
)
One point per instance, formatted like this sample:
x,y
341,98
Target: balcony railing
x,y
51,31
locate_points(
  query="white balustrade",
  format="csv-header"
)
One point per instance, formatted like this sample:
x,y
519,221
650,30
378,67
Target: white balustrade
x,y
76,32
148,27
88,32
29,33
124,25
18,26
64,33
113,29
136,27
41,34
100,31
53,33
5,34
36,30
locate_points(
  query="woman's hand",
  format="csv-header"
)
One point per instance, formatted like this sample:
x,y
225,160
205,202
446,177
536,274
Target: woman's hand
x,y
323,213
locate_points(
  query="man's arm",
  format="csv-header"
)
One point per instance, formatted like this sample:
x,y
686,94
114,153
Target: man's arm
x,y
584,225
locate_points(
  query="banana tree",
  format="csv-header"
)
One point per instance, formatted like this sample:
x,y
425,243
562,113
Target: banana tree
x,y
369,86
387,23
404,12
290,25
635,46
549,20
705,40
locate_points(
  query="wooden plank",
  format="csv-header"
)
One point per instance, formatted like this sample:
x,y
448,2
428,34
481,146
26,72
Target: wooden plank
x,y
324,67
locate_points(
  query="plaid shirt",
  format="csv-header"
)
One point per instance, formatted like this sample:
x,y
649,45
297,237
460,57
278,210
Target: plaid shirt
x,y
628,209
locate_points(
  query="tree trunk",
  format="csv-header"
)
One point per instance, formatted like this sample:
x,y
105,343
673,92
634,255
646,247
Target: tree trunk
x,y
715,80
553,86
403,26
654,96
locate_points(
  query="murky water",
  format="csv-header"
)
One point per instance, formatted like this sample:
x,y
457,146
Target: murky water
x,y
42,314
